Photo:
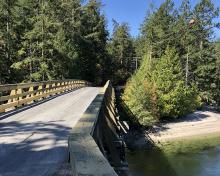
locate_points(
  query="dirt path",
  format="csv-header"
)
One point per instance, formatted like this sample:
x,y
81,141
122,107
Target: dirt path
x,y
200,123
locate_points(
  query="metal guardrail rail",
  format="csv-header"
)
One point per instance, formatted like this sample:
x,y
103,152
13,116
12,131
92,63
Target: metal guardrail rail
x,y
16,95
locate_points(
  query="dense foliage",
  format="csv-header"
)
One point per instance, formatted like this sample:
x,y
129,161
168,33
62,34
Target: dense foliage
x,y
121,51
141,95
175,98
158,90
183,60
44,40
180,60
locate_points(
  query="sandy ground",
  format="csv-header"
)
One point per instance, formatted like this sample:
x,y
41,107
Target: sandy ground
x,y
200,123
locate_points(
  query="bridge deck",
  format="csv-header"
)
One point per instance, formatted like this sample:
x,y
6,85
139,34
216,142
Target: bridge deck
x,y
34,141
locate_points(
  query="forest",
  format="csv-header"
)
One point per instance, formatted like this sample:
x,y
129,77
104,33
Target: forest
x,y
171,69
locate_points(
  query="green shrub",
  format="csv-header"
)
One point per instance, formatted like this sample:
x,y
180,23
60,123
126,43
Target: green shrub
x,y
157,90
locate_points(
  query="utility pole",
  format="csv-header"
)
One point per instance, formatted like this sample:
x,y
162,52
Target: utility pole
x,y
135,63
187,65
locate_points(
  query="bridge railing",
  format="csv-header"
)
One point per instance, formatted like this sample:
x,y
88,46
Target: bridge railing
x,y
16,95
94,142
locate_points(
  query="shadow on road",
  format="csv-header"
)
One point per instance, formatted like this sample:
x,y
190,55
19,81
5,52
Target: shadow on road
x,y
32,148
31,105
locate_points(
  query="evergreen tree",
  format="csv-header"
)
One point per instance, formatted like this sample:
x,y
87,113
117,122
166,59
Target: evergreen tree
x,y
190,31
93,43
205,62
44,40
140,94
158,90
8,40
174,97
38,53
157,29
121,50
69,36
184,38
216,86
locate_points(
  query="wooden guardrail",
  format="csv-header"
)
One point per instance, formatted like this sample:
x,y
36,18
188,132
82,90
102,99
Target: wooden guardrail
x,y
95,146
16,95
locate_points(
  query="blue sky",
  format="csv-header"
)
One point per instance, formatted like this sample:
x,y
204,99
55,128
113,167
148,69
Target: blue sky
x,y
134,11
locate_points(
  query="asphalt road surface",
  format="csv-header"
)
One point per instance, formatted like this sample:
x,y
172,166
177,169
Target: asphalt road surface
x,y
33,142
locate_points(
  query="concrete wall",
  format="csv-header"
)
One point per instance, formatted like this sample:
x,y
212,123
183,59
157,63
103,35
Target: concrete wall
x,y
94,143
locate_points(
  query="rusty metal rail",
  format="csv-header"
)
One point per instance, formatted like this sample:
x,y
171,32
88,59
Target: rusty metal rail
x,y
16,95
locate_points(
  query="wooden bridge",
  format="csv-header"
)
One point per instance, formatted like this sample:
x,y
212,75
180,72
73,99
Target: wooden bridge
x,y
37,118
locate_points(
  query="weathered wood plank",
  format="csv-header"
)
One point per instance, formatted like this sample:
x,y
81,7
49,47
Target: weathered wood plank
x,y
36,91
8,87
29,92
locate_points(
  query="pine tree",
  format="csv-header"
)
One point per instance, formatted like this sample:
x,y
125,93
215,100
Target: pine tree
x,y
157,29
8,40
60,39
174,97
184,38
38,53
121,50
204,13
69,36
158,90
216,87
93,42
140,94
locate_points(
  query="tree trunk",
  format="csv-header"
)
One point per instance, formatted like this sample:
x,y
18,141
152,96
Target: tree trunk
x,y
187,66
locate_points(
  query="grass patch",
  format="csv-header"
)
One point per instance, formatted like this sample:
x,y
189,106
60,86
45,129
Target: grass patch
x,y
191,145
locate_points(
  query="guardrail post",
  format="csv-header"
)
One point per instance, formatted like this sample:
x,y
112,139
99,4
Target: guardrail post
x,y
58,87
19,92
66,86
53,88
31,89
13,92
40,90
70,85
47,91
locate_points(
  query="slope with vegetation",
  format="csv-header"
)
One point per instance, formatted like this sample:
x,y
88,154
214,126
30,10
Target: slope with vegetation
x,y
180,69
